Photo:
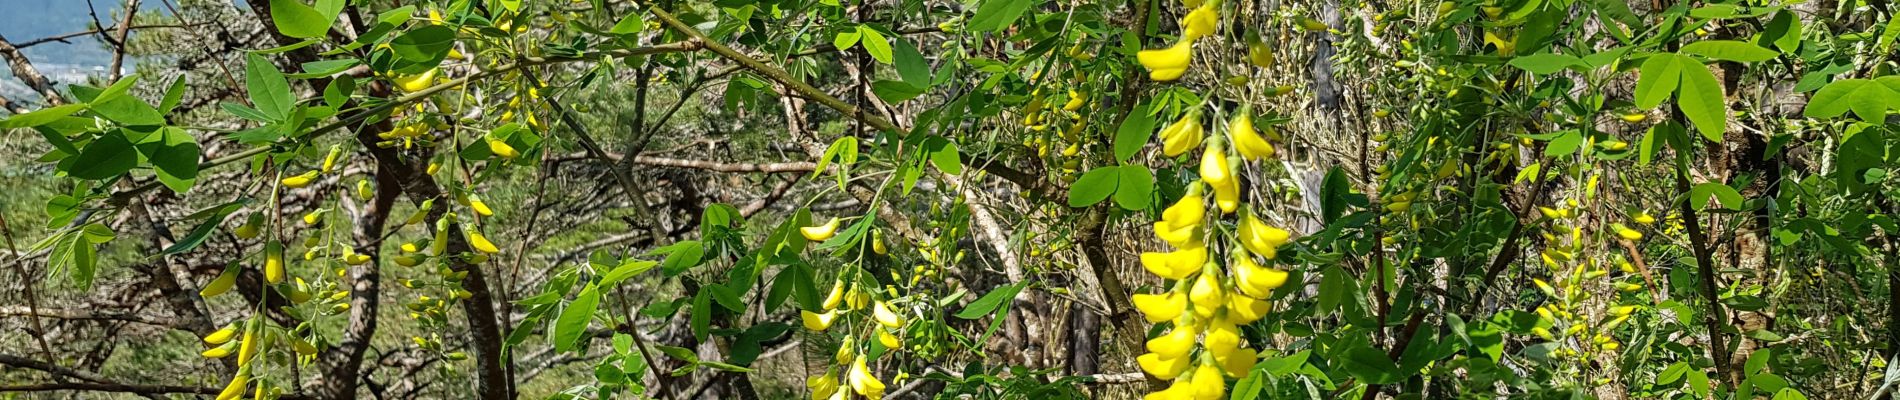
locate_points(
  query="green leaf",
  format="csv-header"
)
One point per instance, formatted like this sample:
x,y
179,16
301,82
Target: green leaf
x,y
1724,195
1371,365
1701,99
625,270
1784,32
173,95
876,44
1865,97
1546,63
84,258
426,44
338,91
911,66
41,116
1730,50
632,23
1135,189
701,320
297,20
108,156
572,324
1093,187
174,153
1657,79
1134,131
987,304
214,217
893,91
128,111
1789,394
270,92
844,40
680,256
994,15
943,154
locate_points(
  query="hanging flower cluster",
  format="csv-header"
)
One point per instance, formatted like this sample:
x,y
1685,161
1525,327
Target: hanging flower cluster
x,y
1205,301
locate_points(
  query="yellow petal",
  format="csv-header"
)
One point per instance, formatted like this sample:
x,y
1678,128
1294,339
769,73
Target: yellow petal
x,y
817,322
1200,22
1214,168
1244,309
1163,368
1175,343
881,311
1207,295
1239,363
1157,308
1222,338
821,232
1173,57
1208,383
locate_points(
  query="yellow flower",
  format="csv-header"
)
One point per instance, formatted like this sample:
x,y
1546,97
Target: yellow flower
x,y
1238,363
1248,141
1207,295
1200,23
836,297
1222,338
1243,309
300,180
1182,135
1214,168
1176,343
1255,280
1260,238
417,82
1160,307
823,386
1227,196
1163,368
889,341
821,232
863,382
818,322
881,311
1178,264
1208,383
1167,64
1179,390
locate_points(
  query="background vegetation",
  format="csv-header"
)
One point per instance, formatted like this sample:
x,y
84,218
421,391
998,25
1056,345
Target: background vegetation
x,y
1203,199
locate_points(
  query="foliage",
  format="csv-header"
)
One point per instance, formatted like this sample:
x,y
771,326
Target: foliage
x,y
1469,198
